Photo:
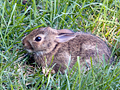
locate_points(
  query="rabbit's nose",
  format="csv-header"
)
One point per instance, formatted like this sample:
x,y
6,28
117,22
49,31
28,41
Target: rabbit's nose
x,y
27,44
23,43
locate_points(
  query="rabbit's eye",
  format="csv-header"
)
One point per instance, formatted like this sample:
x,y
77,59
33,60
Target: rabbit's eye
x,y
38,39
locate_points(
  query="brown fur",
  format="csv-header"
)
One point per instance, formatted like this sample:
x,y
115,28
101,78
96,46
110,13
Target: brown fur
x,y
64,43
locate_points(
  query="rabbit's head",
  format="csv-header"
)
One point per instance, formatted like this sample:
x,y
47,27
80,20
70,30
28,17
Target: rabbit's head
x,y
44,40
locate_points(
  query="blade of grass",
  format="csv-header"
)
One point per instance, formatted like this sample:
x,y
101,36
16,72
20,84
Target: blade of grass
x,y
35,8
68,82
79,71
93,76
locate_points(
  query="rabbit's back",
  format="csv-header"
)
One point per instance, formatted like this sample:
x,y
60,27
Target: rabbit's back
x,y
85,46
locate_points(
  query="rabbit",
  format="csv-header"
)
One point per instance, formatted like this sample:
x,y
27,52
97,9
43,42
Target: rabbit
x,y
54,48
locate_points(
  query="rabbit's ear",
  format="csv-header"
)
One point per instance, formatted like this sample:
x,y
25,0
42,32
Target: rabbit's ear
x,y
63,31
65,37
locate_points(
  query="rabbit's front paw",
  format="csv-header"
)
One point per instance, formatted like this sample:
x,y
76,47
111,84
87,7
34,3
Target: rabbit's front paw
x,y
46,71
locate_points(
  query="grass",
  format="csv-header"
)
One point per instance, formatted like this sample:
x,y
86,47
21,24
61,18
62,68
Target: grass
x,y
17,19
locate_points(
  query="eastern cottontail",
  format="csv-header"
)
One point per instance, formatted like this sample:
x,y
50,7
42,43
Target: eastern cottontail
x,y
46,43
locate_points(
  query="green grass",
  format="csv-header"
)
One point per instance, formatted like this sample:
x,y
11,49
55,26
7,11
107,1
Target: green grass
x,y
16,20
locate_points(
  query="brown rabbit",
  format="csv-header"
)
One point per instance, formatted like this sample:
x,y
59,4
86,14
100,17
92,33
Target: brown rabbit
x,y
46,42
